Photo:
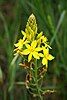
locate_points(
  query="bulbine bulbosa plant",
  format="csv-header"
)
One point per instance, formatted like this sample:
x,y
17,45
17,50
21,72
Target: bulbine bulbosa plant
x,y
34,48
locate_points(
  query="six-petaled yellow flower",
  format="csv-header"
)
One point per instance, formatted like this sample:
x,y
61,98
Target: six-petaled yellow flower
x,y
20,43
46,57
32,50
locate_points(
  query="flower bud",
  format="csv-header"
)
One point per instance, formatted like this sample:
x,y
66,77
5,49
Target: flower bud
x,y
31,27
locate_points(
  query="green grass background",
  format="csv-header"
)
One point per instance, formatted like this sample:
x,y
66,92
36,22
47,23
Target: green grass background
x,y
51,18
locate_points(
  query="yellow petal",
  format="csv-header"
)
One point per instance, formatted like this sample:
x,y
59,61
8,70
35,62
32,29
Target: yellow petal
x,y
16,49
21,40
16,45
45,51
26,42
25,52
50,57
38,49
34,44
29,57
24,38
27,45
28,36
35,55
39,35
26,31
23,33
39,42
46,45
41,55
44,61
44,39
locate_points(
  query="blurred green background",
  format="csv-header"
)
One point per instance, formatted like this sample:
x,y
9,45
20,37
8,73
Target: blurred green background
x,y
51,18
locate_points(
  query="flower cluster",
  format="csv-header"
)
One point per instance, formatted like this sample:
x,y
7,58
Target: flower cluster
x,y
34,48
34,45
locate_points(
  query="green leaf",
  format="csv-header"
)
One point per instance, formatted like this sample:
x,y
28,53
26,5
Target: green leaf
x,y
1,75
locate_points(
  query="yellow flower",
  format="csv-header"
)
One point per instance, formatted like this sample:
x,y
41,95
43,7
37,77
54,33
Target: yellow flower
x,y
46,57
32,50
28,35
42,39
39,38
20,43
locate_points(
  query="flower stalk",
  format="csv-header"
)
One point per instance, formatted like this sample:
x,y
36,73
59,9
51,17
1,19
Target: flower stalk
x,y
34,48
36,79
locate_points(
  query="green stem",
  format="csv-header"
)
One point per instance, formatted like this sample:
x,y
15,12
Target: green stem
x,y
36,70
38,89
